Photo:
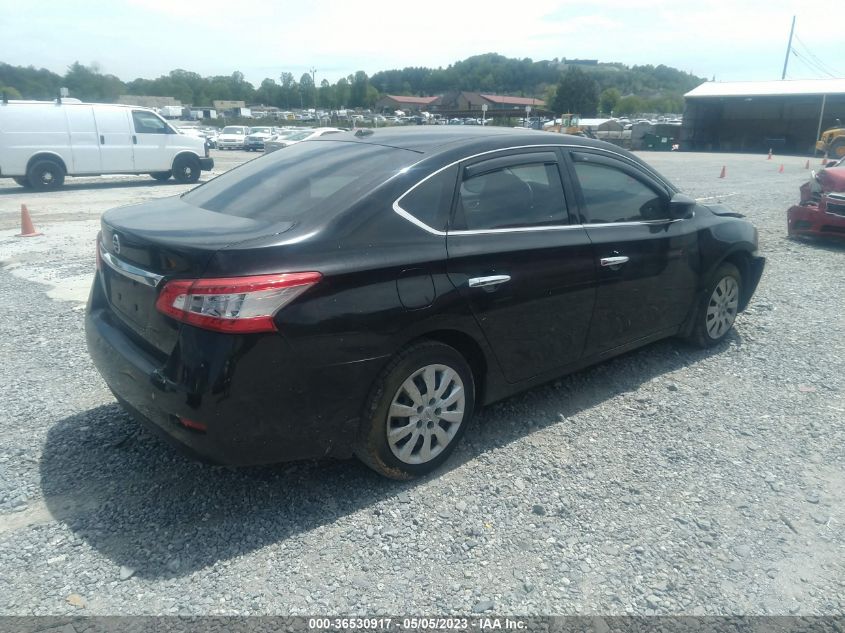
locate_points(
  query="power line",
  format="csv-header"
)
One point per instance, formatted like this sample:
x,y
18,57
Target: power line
x,y
819,73
819,62
813,64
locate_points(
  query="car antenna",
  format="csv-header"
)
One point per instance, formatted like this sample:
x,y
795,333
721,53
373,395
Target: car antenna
x,y
363,131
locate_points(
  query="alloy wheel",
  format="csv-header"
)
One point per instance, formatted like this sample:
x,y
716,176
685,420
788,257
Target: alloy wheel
x,y
722,308
425,414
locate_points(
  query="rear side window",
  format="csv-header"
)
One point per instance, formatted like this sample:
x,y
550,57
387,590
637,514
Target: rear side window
x,y
431,200
518,196
309,177
611,195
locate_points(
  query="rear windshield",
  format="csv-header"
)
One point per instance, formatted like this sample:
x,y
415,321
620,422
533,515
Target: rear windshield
x,y
312,176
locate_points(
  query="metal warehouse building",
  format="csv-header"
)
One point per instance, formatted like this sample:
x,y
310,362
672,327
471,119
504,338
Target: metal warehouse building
x,y
785,116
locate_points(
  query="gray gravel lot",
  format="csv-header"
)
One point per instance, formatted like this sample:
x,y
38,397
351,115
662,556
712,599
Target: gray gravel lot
x,y
670,480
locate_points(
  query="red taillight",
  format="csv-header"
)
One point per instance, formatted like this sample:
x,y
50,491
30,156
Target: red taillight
x,y
193,425
234,304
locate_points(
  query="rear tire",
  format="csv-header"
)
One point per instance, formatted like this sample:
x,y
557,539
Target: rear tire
x,y
716,314
186,169
45,174
419,407
162,176
23,181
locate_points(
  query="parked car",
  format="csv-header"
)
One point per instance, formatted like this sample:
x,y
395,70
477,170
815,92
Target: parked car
x,y
365,292
821,210
233,137
254,141
43,142
291,137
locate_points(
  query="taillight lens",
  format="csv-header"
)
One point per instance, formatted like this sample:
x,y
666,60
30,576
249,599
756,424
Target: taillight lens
x,y
234,304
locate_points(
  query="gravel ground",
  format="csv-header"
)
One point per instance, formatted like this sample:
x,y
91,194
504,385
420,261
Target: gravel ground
x,y
671,480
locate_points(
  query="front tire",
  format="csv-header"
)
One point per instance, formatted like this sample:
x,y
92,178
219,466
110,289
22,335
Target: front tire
x,y
162,176
23,181
45,174
418,409
186,169
717,313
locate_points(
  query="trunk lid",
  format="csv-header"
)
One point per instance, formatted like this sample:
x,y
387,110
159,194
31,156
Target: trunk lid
x,y
148,244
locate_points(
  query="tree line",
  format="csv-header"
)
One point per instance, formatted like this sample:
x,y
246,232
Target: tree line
x,y
586,91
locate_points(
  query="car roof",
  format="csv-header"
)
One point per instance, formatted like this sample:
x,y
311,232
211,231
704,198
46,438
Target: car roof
x,y
432,139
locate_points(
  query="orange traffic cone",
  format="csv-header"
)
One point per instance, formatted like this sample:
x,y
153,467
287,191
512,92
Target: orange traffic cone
x,y
724,172
27,229
770,154
780,171
807,166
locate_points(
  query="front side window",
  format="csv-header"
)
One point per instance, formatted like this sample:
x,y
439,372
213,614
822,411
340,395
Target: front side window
x,y
148,123
611,195
517,196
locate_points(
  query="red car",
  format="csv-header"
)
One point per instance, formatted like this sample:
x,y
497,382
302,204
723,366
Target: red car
x,y
821,211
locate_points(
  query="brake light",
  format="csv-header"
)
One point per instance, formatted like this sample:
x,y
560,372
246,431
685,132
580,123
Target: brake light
x,y
233,304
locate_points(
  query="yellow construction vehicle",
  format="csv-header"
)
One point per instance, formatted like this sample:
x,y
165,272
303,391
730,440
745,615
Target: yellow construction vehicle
x,y
569,124
832,141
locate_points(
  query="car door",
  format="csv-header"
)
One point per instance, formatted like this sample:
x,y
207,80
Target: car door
x,y
115,136
646,261
150,138
84,144
526,271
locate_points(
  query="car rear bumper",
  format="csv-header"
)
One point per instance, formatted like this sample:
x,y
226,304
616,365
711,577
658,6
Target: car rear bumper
x,y
258,401
810,220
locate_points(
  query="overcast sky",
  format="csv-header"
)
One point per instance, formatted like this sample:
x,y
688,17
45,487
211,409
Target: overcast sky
x,y
733,41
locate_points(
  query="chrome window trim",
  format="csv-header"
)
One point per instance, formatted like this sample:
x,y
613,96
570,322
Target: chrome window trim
x,y
397,208
128,270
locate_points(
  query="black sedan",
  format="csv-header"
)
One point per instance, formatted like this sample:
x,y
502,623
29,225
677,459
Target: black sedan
x,y
363,293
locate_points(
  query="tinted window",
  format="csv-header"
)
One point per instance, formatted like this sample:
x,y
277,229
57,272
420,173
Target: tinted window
x,y
611,195
516,196
148,123
324,176
431,200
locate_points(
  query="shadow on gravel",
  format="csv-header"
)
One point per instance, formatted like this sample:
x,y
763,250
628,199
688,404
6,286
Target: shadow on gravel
x,y
142,504
829,244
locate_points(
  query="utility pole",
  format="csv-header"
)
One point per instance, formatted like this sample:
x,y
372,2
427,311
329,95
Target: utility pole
x,y
788,49
314,83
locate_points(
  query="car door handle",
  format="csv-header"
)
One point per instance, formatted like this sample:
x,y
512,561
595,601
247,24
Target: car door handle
x,y
614,262
102,140
134,140
487,282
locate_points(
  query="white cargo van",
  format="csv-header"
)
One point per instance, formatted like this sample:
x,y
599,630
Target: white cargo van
x,y
42,142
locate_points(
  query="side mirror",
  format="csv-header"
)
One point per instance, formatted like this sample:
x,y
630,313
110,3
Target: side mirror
x,y
681,206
